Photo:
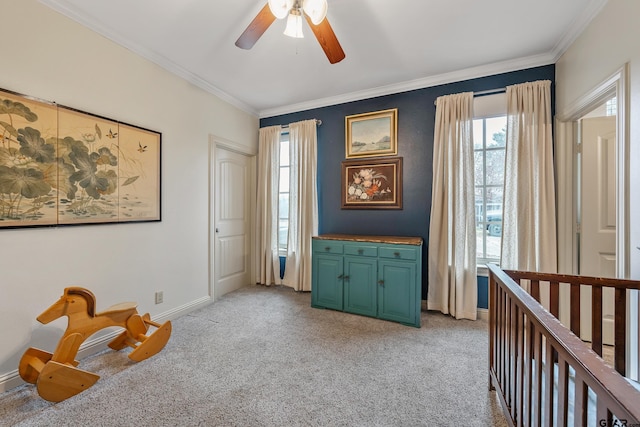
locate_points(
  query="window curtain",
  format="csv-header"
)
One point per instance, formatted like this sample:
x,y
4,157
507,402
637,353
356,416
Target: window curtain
x,y
529,218
267,205
452,228
303,204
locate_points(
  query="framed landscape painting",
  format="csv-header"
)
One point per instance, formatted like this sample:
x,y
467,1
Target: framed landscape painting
x,y
372,184
371,134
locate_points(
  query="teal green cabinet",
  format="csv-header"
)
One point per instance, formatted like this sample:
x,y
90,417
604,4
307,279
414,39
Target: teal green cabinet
x,y
327,269
396,289
376,276
359,285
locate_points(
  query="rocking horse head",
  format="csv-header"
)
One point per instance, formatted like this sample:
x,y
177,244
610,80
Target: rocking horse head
x,y
73,300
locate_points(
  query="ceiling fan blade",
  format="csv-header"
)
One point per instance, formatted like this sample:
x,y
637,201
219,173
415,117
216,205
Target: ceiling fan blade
x,y
256,28
327,39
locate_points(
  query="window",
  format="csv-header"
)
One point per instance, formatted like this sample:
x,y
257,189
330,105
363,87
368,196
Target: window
x,y
611,107
283,199
489,142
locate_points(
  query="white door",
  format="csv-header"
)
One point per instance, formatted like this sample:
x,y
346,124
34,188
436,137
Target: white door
x,y
232,214
598,215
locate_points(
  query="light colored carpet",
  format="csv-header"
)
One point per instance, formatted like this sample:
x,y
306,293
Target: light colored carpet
x,y
263,357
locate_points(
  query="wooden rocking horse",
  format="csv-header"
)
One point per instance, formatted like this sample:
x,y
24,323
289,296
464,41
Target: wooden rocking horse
x,y
56,375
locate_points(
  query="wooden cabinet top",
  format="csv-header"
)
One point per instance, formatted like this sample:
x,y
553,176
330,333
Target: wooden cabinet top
x,y
396,240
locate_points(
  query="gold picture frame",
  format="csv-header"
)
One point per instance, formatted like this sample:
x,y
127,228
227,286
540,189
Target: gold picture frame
x,y
372,183
371,134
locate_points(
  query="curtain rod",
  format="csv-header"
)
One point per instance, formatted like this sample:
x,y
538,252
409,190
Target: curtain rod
x,y
486,92
318,122
489,92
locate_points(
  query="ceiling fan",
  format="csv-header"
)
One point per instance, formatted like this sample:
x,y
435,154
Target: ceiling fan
x,y
314,11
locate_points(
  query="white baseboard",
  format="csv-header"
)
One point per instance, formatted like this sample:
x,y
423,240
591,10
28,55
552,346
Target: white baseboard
x,y
12,379
483,313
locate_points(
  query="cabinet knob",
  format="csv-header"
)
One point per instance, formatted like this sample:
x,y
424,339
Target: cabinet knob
x,y
396,254
341,276
328,248
360,251
381,283
346,277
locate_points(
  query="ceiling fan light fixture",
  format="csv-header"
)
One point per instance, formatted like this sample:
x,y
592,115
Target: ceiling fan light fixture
x,y
316,10
280,8
294,24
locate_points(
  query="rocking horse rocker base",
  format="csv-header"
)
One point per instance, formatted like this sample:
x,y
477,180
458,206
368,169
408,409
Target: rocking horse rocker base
x,y
56,374
148,345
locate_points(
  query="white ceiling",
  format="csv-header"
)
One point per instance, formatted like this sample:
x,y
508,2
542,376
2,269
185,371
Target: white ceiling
x,y
390,45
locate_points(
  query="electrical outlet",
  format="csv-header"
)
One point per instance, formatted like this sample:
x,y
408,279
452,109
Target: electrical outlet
x,y
159,297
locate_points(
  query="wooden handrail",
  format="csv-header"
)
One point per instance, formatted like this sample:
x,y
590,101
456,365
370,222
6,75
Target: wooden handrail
x,y
572,279
596,284
613,391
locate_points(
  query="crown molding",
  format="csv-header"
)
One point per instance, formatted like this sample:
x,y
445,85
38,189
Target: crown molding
x,y
577,27
452,77
572,33
148,54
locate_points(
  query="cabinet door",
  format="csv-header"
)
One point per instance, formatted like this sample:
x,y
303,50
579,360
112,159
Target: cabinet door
x,y
326,282
360,285
397,292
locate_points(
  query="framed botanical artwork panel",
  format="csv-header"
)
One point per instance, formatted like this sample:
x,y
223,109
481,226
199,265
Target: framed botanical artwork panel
x,y
28,161
88,179
371,134
139,173
62,166
372,183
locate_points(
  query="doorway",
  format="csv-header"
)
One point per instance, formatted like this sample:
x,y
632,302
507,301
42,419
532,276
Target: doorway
x,y
597,206
232,216
567,132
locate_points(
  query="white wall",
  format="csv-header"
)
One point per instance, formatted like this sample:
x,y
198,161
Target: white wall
x,y
50,57
611,40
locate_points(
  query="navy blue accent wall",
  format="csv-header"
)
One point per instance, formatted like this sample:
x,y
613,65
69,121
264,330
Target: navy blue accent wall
x,y
416,117
483,292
